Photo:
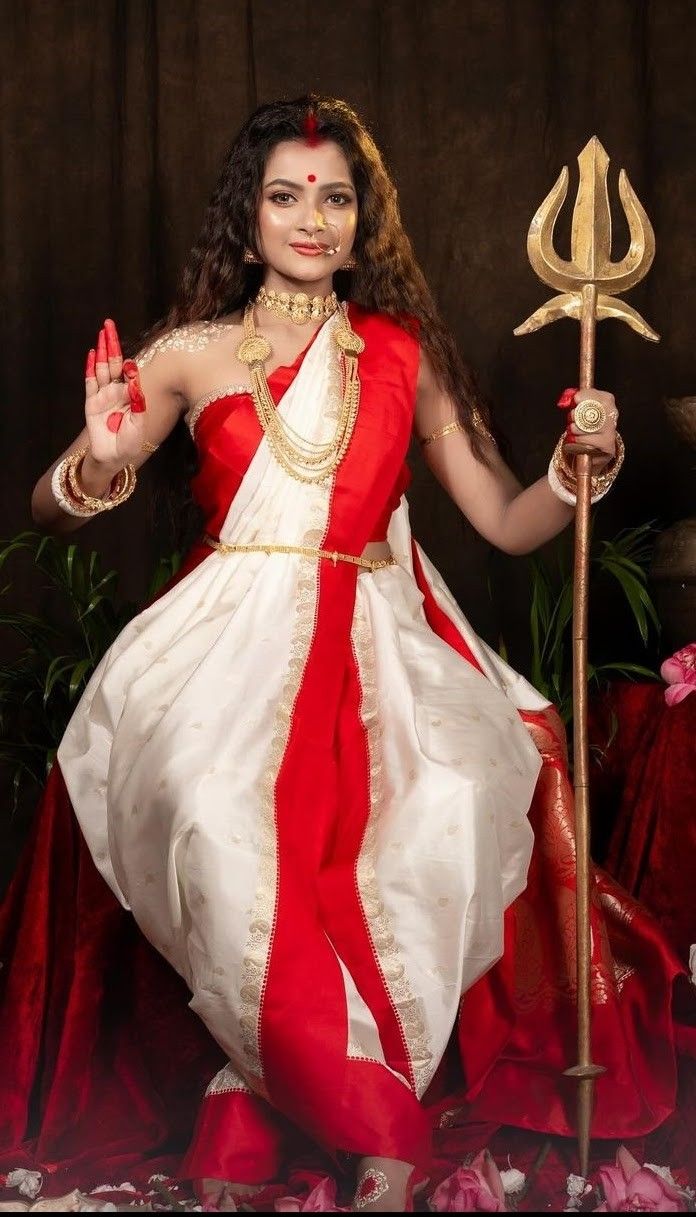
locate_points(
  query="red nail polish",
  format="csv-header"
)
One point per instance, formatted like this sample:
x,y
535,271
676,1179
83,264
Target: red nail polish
x,y
114,421
137,400
90,366
113,346
566,399
101,347
130,368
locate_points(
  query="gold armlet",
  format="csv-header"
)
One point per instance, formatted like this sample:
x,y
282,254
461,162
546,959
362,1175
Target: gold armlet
x,y
446,430
450,428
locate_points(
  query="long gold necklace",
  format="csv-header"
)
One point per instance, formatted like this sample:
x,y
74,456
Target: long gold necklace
x,y
302,458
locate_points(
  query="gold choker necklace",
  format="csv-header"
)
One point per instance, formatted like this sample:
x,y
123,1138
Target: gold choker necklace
x,y
297,306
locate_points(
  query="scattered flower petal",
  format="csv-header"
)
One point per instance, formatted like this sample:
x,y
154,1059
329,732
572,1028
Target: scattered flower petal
x,y
513,1181
679,672
28,1182
113,1187
576,1186
630,1187
471,1189
322,1199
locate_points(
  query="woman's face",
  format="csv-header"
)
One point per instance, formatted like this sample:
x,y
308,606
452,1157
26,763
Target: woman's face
x,y
308,195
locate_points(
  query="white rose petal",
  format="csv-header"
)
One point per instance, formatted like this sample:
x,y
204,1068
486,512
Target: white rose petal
x,y
28,1182
71,1202
692,962
113,1187
576,1186
513,1181
663,1171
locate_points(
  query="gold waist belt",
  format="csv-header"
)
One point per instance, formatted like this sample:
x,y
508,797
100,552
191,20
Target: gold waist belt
x,y
308,551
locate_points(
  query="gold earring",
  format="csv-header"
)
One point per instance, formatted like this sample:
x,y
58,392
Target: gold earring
x,y
250,256
349,265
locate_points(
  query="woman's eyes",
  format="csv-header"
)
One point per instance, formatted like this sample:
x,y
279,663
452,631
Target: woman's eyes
x,y
283,194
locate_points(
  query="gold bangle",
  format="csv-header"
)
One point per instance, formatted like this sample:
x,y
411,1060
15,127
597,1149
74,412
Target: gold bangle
x,y
121,488
75,504
600,481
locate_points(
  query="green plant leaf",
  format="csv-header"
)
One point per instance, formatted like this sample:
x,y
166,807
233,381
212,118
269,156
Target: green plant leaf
x,y
79,672
562,616
91,606
637,597
57,667
629,669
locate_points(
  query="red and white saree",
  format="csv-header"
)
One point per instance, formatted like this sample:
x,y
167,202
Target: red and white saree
x,y
318,792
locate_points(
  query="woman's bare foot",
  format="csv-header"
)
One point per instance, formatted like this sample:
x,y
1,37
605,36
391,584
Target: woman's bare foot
x,y
219,1192
382,1185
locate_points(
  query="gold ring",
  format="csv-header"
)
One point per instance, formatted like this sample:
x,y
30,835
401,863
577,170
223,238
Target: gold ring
x,y
589,415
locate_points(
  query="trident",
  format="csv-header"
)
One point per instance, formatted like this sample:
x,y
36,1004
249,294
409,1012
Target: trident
x,y
588,283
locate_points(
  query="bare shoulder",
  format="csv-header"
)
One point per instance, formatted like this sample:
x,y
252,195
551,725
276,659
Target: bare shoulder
x,y
180,364
187,339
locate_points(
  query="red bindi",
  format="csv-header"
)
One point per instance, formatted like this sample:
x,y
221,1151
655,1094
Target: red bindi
x,y
311,177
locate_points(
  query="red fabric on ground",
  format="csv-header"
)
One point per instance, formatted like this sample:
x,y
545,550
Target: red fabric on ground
x,y
644,801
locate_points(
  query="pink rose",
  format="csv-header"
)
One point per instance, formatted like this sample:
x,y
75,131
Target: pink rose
x,y
631,1188
471,1189
322,1199
680,673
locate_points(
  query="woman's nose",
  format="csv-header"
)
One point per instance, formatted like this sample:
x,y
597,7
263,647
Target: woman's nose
x,y
315,221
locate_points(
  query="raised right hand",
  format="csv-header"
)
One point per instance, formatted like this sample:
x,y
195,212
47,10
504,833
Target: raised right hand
x,y
114,407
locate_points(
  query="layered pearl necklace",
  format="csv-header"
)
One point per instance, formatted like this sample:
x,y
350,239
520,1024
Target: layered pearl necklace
x,y
305,460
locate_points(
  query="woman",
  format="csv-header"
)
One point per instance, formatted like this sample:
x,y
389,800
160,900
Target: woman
x,y
298,767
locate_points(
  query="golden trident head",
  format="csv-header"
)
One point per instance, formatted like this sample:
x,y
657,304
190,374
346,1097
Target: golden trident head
x,y
590,247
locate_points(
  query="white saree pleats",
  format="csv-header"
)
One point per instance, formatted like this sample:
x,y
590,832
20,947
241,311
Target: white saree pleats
x,y
172,753
452,775
516,688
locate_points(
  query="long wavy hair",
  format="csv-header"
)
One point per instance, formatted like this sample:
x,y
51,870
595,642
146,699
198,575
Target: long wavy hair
x,y
216,281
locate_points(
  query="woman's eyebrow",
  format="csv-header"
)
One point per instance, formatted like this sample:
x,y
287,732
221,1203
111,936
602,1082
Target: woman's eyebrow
x,y
282,181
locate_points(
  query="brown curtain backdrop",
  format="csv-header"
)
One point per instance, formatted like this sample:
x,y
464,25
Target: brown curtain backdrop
x,y
116,115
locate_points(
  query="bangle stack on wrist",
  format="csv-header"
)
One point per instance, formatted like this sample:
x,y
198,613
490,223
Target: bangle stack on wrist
x,y
562,479
70,495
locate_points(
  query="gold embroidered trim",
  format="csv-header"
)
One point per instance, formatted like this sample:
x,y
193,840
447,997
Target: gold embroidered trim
x,y
193,337
622,973
226,1080
356,1052
258,946
371,1186
201,403
409,1009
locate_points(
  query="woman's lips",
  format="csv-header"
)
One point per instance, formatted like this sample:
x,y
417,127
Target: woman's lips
x,y
310,251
